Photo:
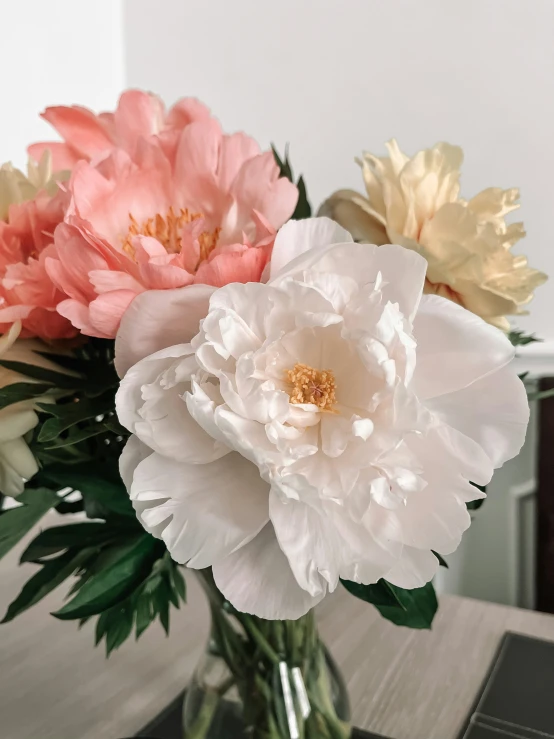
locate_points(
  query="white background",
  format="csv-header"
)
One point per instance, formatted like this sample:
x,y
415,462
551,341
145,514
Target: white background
x,y
332,77
55,52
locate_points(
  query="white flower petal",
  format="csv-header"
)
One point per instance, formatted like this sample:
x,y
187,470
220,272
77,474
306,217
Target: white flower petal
x,y
415,568
203,511
454,348
297,237
257,579
157,319
132,455
498,425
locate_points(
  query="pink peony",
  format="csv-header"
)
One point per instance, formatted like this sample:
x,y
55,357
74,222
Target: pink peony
x,y
203,210
138,115
27,294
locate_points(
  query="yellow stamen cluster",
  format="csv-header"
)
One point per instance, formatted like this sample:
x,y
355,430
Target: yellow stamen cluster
x,y
312,386
168,230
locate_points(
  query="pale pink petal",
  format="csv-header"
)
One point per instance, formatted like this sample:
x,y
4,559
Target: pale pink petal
x,y
63,155
244,266
196,165
138,114
257,579
105,281
78,314
106,311
235,151
157,319
203,521
186,111
80,128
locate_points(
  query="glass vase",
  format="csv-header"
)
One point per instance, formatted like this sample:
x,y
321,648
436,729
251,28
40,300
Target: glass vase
x,y
262,679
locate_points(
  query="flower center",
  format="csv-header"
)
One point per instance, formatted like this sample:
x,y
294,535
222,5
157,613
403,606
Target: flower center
x,y
168,230
312,386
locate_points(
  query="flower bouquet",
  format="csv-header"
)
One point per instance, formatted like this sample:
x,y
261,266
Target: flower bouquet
x,y
197,375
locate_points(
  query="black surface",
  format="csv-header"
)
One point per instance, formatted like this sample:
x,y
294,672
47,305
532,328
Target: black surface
x,y
168,725
517,699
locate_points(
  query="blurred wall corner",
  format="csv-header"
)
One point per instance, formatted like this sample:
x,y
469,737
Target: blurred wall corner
x,y
59,52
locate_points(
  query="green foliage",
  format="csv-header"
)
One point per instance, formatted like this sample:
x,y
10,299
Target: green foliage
x,y
104,495
16,522
164,587
519,338
412,608
114,569
120,573
303,208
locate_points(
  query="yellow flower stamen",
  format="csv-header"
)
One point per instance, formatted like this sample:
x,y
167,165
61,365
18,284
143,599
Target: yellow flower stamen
x,y
312,386
168,230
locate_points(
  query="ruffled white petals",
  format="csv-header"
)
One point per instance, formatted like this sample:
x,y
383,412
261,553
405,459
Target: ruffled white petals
x,y
202,512
297,237
496,426
257,579
157,319
415,568
150,402
314,429
132,455
454,348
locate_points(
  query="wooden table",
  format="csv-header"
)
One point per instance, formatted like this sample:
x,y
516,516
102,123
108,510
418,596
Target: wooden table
x,y
404,684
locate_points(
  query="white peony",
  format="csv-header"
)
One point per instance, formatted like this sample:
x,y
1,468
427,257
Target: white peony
x,y
324,425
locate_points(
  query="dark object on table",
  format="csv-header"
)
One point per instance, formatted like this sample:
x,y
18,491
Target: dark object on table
x,y
516,700
545,501
168,725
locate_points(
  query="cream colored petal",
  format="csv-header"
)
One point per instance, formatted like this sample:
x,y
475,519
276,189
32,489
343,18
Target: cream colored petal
x,y
345,208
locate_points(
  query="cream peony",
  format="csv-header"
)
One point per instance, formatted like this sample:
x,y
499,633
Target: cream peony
x,y
17,462
16,187
415,202
324,425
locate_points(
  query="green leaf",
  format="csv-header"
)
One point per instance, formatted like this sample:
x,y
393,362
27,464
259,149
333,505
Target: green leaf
x,y
519,338
303,208
381,593
442,561
18,391
284,165
16,522
101,627
69,414
103,494
58,379
179,583
74,535
418,607
76,436
113,584
45,580
144,614
120,624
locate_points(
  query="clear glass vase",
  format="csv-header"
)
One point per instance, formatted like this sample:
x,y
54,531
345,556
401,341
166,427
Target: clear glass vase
x,y
264,680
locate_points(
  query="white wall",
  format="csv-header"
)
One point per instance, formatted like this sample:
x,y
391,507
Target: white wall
x,y
56,52
334,77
